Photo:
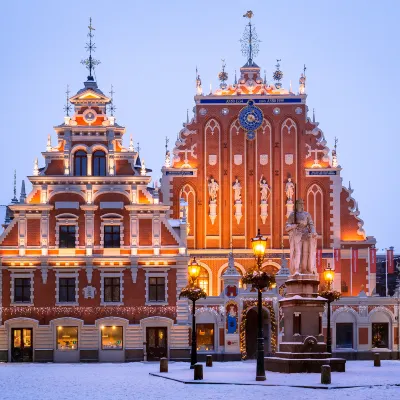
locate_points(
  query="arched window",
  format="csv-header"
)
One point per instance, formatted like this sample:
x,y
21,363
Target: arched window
x,y
203,279
99,163
80,163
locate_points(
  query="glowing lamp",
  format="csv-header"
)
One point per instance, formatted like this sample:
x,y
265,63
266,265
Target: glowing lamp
x,y
329,274
259,245
194,269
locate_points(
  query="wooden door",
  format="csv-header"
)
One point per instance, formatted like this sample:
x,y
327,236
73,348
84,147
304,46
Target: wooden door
x,y
156,343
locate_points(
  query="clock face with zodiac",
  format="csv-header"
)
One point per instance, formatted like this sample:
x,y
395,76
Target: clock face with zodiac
x,y
250,119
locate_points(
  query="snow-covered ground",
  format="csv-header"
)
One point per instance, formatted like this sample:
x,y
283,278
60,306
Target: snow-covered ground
x,y
132,381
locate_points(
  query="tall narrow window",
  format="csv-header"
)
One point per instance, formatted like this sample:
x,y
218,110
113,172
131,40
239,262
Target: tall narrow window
x,y
67,237
80,163
112,290
22,290
66,290
157,289
99,163
112,237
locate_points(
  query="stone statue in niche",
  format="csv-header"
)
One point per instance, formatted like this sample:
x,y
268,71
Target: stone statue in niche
x,y
237,188
289,189
264,189
213,189
303,241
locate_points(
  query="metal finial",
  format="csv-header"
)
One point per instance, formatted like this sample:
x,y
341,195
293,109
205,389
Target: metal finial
x,y
90,62
166,144
304,69
111,105
187,115
15,183
336,142
138,147
249,41
235,78
67,107
223,76
313,115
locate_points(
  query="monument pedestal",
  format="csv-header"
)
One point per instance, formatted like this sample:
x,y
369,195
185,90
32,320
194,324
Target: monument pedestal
x,y
302,348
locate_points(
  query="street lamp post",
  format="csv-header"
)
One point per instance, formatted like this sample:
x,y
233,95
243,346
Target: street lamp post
x,y
259,244
329,275
194,272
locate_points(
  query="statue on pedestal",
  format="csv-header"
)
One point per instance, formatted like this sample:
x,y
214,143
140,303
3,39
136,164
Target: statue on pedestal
x,y
237,188
212,189
303,241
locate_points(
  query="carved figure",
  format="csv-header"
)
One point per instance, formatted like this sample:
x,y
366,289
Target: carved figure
x,y
289,189
264,189
303,241
213,189
237,188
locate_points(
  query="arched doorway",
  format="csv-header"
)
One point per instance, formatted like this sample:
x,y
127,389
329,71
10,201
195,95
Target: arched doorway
x,y
251,332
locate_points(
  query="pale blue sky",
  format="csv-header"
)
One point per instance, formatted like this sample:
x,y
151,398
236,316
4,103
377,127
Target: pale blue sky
x,y
149,51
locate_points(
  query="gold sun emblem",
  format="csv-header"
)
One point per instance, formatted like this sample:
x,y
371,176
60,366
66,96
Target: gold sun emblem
x,y
251,118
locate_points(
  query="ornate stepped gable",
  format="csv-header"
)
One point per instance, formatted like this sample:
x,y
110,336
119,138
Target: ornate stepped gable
x,y
252,140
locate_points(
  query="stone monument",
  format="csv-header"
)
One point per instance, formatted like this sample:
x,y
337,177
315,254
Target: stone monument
x,y
302,347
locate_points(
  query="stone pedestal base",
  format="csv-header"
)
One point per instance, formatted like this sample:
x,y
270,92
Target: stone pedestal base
x,y
303,347
306,364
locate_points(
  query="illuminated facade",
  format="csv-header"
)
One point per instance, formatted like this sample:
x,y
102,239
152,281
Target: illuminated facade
x,y
93,259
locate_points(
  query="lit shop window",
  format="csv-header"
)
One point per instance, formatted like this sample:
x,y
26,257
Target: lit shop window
x,y
205,336
111,337
380,335
67,338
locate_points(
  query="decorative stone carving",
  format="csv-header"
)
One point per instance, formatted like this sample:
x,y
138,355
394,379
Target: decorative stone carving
x,y
289,190
89,292
288,159
303,241
263,159
237,159
264,192
212,159
45,271
237,188
134,272
212,190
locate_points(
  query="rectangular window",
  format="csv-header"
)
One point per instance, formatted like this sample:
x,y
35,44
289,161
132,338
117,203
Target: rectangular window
x,y
344,335
205,337
111,337
157,289
112,237
112,290
67,237
67,338
380,335
22,290
66,290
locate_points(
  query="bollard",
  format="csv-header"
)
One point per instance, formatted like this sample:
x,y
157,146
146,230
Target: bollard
x,y
198,372
326,374
377,360
209,360
163,364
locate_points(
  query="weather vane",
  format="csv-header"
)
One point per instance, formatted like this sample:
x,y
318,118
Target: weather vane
x,y
223,76
90,62
111,106
336,142
138,147
249,40
166,144
67,107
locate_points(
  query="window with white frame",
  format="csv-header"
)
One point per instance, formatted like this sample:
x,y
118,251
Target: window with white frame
x,y
67,287
112,231
22,288
156,288
67,231
112,287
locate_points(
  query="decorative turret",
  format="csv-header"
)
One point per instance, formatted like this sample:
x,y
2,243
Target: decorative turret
x,y
22,196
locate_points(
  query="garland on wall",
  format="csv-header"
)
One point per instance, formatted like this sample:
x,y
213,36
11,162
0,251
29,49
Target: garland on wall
x,y
248,305
45,314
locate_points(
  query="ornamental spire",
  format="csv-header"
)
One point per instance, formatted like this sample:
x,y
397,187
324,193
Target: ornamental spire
x,y
111,105
14,199
90,62
199,90
67,107
249,40
223,76
335,162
